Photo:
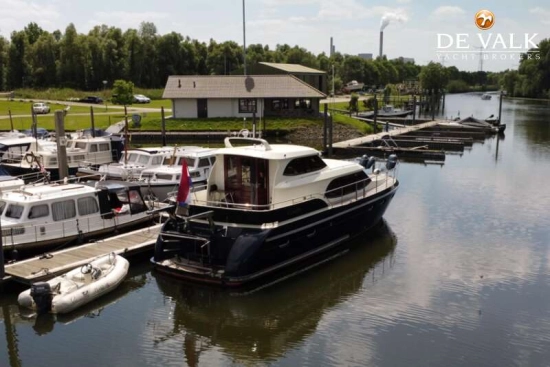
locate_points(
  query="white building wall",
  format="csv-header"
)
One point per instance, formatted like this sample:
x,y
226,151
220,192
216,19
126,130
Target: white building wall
x,y
184,108
220,108
217,107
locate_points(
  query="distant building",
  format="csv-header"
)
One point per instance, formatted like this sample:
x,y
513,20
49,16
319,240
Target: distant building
x,y
365,56
316,78
406,59
207,96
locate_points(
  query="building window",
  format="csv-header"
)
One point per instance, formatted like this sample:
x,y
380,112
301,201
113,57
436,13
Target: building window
x,y
302,104
279,104
247,105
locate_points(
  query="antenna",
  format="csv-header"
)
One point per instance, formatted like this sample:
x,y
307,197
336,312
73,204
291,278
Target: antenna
x,y
480,48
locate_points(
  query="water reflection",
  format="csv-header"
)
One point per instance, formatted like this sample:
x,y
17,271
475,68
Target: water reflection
x,y
265,325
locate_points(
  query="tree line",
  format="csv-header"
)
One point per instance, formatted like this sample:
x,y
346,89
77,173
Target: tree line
x,y
35,58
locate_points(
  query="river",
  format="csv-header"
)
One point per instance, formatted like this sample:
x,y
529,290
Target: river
x,y
459,275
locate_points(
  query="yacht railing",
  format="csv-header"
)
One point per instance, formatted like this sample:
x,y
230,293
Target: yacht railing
x,y
335,197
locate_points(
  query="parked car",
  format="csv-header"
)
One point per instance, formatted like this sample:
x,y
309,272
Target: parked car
x,y
140,98
91,99
40,108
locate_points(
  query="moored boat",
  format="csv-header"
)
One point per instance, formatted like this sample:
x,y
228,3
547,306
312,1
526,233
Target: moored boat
x,y
270,207
41,216
77,287
387,111
160,181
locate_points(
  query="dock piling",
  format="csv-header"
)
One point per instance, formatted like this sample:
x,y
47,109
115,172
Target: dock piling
x,y
325,125
61,142
93,121
500,107
11,120
163,126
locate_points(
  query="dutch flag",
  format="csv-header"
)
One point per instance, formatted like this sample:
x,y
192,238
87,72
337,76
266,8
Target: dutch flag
x,y
184,191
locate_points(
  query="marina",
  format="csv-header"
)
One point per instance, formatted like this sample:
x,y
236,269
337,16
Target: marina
x,y
458,287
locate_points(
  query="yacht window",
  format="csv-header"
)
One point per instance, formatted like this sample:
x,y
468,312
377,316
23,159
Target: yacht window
x,y
146,174
164,177
14,211
2,206
80,145
63,210
39,211
157,161
136,202
53,160
212,159
190,161
204,162
87,206
143,159
347,184
78,158
93,148
104,147
132,157
299,166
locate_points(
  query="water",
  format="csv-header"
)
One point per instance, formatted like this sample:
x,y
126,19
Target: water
x,y
459,276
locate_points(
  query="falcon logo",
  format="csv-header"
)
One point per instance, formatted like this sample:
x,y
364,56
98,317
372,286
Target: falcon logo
x,y
484,19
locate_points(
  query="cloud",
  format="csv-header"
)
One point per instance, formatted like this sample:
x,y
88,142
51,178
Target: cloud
x,y
18,13
125,19
541,13
403,1
351,9
448,11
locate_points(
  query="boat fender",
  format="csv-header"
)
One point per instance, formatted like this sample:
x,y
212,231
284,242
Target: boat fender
x,y
42,296
391,162
240,260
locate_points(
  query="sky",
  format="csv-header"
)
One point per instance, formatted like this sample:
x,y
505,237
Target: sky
x,y
354,24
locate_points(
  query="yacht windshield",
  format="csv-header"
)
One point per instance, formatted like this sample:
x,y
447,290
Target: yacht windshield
x,y
143,159
132,157
190,161
2,206
14,211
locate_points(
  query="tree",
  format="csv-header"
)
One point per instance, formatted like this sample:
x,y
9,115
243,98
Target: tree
x,y
433,77
18,69
354,103
3,58
123,92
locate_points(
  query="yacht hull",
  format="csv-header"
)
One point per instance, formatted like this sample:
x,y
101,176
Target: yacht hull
x,y
238,256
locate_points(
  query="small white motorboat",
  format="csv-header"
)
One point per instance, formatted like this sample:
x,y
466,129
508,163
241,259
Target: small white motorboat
x,y
77,287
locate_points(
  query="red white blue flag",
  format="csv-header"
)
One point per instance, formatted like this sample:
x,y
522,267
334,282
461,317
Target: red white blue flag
x,y
184,191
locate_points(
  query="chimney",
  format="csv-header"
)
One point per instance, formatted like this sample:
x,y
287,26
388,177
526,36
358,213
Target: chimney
x,y
381,44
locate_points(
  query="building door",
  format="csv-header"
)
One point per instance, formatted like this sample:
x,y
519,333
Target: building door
x,y
202,108
247,181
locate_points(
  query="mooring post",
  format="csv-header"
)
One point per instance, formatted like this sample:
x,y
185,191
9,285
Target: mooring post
x,y
414,109
375,114
325,125
11,120
61,142
93,121
126,140
2,266
163,126
253,124
500,107
433,104
330,137
444,94
34,127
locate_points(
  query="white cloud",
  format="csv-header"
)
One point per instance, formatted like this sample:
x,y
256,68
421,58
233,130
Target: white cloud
x,y
16,14
447,11
289,2
403,1
351,9
542,13
125,19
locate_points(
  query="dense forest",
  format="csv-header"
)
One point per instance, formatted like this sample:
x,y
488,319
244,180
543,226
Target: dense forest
x,y
35,58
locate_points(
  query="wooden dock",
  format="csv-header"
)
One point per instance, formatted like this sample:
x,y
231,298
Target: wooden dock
x,y
395,132
55,263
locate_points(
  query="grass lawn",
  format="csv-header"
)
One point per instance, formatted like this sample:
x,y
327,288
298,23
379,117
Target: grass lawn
x,y
235,124
76,122
24,108
156,103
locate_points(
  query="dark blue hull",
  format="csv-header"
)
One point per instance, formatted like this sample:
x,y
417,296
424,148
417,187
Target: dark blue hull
x,y
236,256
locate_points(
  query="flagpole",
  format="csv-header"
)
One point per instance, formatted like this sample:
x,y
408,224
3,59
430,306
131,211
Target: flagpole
x,y
244,38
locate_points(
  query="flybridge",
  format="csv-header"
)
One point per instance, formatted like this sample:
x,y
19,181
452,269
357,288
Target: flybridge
x,y
490,42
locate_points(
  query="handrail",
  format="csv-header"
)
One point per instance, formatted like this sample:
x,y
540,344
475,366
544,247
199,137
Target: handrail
x,y
227,142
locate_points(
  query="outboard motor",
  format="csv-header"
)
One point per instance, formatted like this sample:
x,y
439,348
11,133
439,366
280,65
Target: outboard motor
x,y
367,162
42,296
392,162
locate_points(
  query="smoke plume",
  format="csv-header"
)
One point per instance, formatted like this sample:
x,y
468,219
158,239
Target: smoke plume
x,y
387,18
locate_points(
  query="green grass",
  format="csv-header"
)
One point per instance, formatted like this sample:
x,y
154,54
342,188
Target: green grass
x,y
63,94
223,124
24,108
76,122
356,124
155,103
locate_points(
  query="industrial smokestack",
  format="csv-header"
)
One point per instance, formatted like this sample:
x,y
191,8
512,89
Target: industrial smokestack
x,y
381,44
